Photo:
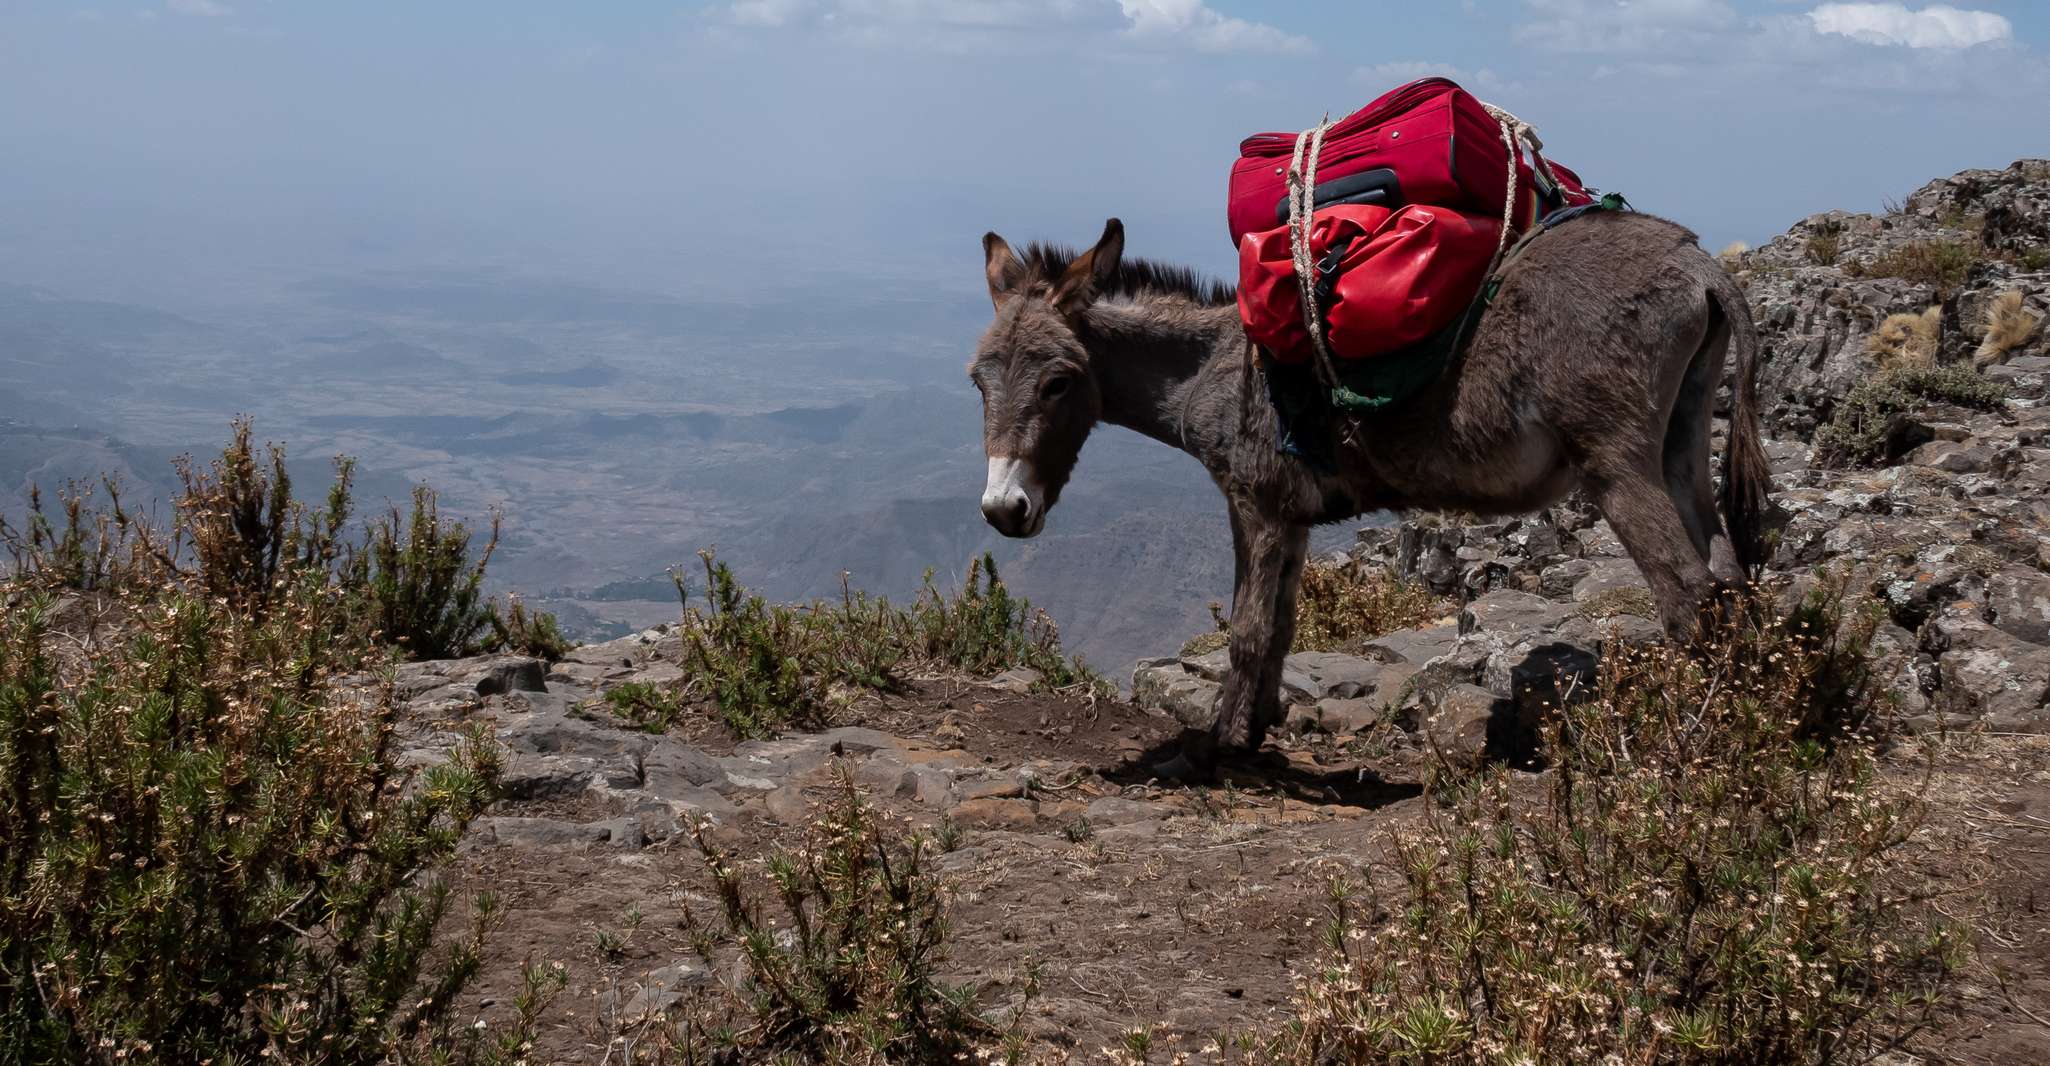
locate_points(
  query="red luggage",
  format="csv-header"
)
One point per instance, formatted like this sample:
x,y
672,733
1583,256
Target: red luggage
x,y
1401,275
1427,142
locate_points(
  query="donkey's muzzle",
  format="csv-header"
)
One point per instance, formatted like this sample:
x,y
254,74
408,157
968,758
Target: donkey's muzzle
x,y
1010,501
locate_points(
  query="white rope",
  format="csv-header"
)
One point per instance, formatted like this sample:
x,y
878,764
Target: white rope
x,y
1515,130
1302,204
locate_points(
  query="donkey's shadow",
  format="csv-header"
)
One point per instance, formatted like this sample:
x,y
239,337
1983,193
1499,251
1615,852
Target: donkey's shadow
x,y
1268,772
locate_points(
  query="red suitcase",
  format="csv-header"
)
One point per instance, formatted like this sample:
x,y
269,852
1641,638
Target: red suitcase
x,y
1427,142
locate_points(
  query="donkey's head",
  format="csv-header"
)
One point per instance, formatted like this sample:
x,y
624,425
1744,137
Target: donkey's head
x,y
1039,398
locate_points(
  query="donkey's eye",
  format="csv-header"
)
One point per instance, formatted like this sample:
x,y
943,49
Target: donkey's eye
x,y
1055,388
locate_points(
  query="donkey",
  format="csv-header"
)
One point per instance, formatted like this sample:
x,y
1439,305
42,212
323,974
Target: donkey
x,y
1595,367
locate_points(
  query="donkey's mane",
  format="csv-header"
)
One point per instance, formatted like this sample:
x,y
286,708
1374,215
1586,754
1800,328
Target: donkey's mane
x,y
1134,277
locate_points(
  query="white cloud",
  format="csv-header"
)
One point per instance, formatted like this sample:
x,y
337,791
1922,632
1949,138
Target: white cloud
x,y
1195,23
1176,23
1935,26
200,8
1624,25
766,12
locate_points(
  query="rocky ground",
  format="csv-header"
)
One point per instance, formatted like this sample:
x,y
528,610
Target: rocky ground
x,y
1149,903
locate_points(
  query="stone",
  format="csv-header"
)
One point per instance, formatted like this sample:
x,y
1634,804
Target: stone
x,y
1607,576
2001,681
1953,457
497,675
1509,613
787,805
625,834
2019,601
1413,646
1457,724
670,767
1018,679
992,786
1117,810
1168,685
1346,716
1557,581
1331,674
537,832
659,990
1017,815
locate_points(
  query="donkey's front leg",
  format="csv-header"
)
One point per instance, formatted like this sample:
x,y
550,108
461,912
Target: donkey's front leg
x,y
1262,627
1267,709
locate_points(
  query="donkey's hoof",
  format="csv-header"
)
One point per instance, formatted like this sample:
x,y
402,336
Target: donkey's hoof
x,y
1182,768
1196,762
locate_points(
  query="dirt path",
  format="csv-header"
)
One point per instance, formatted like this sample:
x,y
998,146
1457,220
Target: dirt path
x,y
1142,905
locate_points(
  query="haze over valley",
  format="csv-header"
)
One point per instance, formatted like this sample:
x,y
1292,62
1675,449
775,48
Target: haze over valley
x,y
619,432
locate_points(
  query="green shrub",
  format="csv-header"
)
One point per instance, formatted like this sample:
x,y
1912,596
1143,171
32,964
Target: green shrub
x,y
762,666
522,632
649,706
240,536
984,629
420,589
208,854
93,549
243,534
1702,880
1861,422
759,663
847,973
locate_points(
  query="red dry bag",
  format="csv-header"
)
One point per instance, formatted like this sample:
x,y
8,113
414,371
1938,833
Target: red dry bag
x,y
1398,277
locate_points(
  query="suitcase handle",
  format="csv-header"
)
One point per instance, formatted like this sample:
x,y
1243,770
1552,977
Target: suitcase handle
x,y
1377,186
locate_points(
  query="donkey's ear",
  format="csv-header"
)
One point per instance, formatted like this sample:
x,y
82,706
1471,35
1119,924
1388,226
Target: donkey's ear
x,y
1003,268
1087,275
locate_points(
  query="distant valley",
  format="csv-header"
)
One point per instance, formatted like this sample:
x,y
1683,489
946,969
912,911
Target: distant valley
x,y
620,433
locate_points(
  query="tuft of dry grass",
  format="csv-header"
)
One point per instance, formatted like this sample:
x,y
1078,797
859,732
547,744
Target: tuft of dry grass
x,y
1907,340
2009,325
1732,256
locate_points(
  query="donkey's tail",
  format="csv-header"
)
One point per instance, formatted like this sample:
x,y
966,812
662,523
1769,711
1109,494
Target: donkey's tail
x,y
1747,477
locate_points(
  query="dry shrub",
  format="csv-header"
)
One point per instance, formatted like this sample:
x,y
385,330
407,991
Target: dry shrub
x,y
1702,879
1732,256
2009,325
1907,340
1342,604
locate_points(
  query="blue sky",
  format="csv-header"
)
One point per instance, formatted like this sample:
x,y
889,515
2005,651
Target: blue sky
x,y
196,151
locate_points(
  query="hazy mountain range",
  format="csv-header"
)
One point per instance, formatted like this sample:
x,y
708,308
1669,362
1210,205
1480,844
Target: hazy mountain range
x,y
620,432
